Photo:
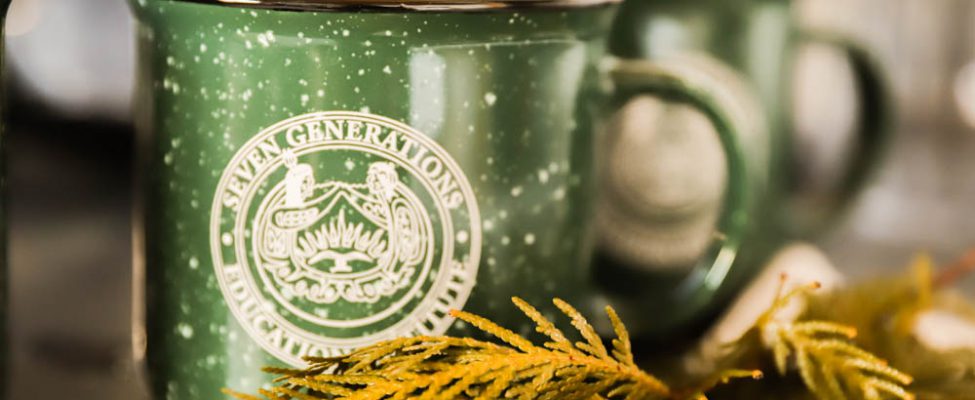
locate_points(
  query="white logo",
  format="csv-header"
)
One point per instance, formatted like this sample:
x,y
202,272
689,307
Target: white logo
x,y
331,231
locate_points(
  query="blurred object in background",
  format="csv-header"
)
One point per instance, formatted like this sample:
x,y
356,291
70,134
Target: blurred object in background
x,y
922,198
74,56
69,148
925,44
745,49
823,146
965,90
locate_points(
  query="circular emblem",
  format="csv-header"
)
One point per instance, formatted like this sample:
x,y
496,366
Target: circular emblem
x,y
332,231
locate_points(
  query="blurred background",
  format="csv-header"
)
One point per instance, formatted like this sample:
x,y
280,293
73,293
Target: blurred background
x,y
69,78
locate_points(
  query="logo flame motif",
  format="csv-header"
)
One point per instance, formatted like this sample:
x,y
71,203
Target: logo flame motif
x,y
352,241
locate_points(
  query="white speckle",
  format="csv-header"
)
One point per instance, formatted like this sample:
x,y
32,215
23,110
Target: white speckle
x,y
462,237
387,70
490,98
227,239
321,93
516,191
543,176
203,48
349,164
185,330
505,241
559,193
266,38
488,224
304,99
362,72
345,32
194,263
368,43
529,239
168,159
389,33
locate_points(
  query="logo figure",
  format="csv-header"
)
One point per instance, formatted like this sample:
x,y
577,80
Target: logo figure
x,y
358,242
332,231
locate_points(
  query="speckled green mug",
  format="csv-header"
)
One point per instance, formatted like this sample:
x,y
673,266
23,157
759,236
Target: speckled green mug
x,y
745,48
321,176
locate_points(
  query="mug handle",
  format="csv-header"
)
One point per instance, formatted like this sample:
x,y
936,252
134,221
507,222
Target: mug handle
x,y
873,132
635,77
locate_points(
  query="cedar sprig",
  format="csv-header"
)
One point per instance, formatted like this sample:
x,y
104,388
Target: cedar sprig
x,y
829,364
463,368
885,312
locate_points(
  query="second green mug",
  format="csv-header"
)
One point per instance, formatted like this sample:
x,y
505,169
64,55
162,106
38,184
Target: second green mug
x,y
743,51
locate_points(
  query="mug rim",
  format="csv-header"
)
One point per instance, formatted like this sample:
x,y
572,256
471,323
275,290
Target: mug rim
x,y
407,5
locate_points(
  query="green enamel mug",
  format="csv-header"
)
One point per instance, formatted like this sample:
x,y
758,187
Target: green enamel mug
x,y
745,50
319,176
